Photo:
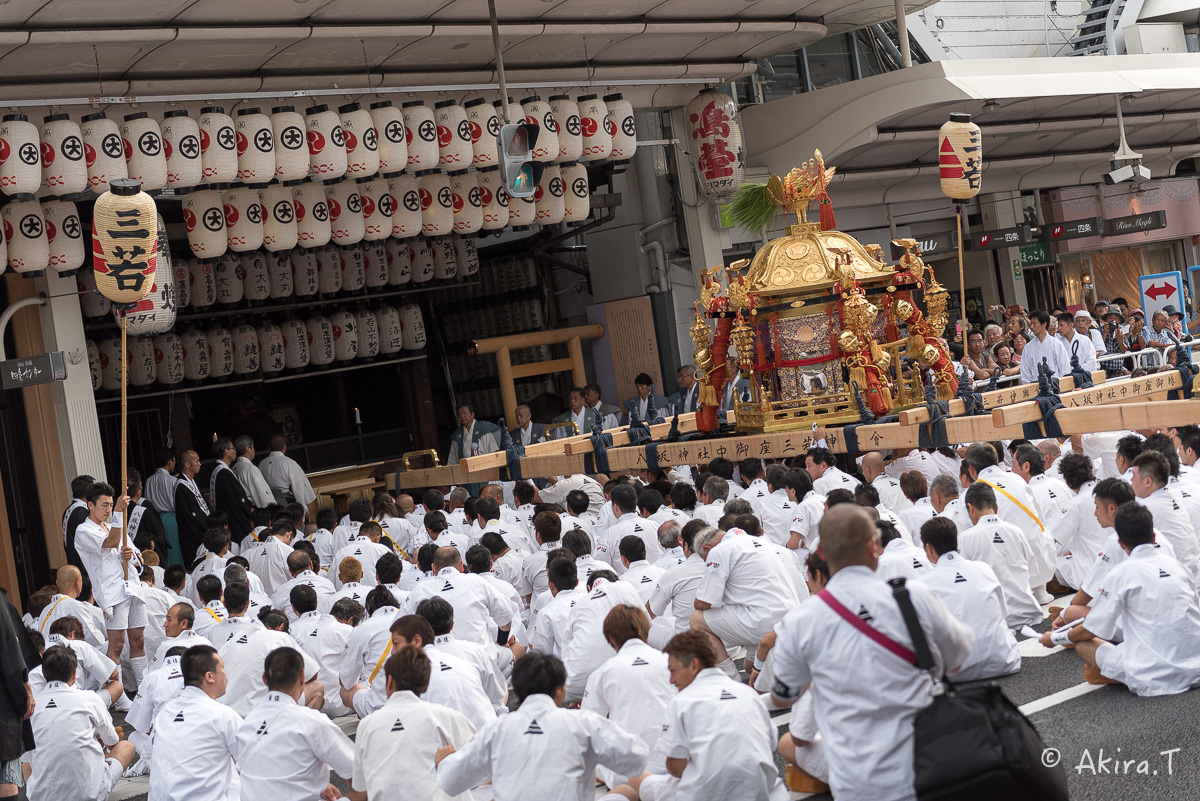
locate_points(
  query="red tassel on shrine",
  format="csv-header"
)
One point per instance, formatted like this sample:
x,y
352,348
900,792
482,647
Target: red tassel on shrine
x,y
774,320
828,223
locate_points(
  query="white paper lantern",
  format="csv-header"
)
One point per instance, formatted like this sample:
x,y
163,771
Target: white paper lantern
x,y
291,150
93,354
329,270
218,146
493,198
597,141
345,336
142,366
183,285
230,278
64,233
3,250
181,145
375,264
549,197
420,135
368,334
279,266
454,136
716,142
91,301
144,157
202,274
537,112
399,264
621,127
168,358
577,196
362,141
326,144
195,355
220,352
246,357
305,277
389,131
466,202
204,221
466,255
354,273
279,218
295,344
256,278
155,313
413,323
25,233
437,203
485,127
64,170
345,212
270,348
377,207
312,215
20,157
566,119
391,331
243,219
255,146
515,112
445,261
103,151
110,363
406,215
420,256
522,212
320,340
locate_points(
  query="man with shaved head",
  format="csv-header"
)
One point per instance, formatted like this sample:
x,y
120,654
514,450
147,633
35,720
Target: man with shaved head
x,y
890,494
481,614
870,708
191,510
66,603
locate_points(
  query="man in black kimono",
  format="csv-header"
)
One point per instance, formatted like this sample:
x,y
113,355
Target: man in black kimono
x,y
191,512
227,493
75,514
145,526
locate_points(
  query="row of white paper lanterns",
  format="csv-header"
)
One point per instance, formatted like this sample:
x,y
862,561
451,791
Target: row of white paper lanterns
x,y
68,157
269,348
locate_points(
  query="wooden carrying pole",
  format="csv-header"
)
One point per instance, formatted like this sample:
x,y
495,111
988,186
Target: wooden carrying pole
x,y
962,284
124,445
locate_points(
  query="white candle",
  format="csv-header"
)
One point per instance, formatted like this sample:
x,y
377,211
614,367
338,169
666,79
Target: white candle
x,y
357,417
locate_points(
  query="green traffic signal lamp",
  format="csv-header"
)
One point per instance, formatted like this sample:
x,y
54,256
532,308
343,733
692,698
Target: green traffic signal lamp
x,y
520,172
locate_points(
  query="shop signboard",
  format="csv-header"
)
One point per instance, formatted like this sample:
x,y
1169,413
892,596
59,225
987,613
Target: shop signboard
x,y
1160,290
33,370
1002,238
1033,254
931,245
1135,223
1075,229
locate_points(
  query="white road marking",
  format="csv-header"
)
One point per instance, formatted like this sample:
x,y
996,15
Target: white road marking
x,y
1060,697
1034,649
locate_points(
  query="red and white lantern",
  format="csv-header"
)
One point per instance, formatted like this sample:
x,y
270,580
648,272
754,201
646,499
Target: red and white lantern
x,y
345,212
270,348
64,170
622,127
255,146
291,144
243,219
467,204
537,112
548,198
155,313
391,331
485,127
145,160
91,301
515,112
279,266
577,197
295,344
445,262
368,334
246,356
399,263
110,363
389,130
362,141
522,211
20,157
25,233
143,368
320,341
566,119
716,142
454,136
230,278
102,151
312,215
202,274
326,144
406,214
305,277
420,135
345,336
93,354
377,207
220,352
375,264
204,221
597,141
218,146
256,278
420,255
493,198
64,234
466,255
437,203
413,323
168,358
329,270
279,218
181,145
195,355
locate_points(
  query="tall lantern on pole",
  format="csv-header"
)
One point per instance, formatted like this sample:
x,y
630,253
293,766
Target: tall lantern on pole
x,y
960,168
124,255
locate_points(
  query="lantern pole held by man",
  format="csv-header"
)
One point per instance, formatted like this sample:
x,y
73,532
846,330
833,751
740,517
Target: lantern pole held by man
x,y
960,168
124,256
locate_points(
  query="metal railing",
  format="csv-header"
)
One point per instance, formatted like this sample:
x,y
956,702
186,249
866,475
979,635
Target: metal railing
x,y
1148,358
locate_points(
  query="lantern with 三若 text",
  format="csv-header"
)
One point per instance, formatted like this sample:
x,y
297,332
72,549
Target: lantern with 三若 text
x,y
621,126
168,357
437,202
566,120
291,146
280,268
485,127
406,211
279,218
25,233
345,336
466,201
329,270
493,198
345,212
243,219
420,135
326,144
204,222
354,274
246,356
256,279
389,129
218,146
420,256
20,157
960,157
220,352
320,340
181,145
413,323
577,196
255,147
596,140
230,279
102,150
454,136
445,262
548,199
202,275
391,332
195,355
295,344
144,157
64,233
716,142
305,278
124,242
270,347
377,207
64,170
368,334
93,354
361,139
91,301
312,215
466,255
399,264
143,368
375,264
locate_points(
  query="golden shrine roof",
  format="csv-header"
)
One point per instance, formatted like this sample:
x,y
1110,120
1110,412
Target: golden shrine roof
x,y
808,259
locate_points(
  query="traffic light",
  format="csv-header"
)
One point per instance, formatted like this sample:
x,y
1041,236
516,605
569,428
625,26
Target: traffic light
x,y
521,173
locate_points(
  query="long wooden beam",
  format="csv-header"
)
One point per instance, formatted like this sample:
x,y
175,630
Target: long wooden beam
x,y
1111,392
995,398
1128,416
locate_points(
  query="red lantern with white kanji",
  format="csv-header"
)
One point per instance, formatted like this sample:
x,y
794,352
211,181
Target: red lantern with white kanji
x,y
306,280
218,146
64,234
20,157
312,215
195,354
420,134
406,213
716,142
64,170
320,341
145,160
399,263
389,129
102,151
181,145
597,141
291,145
255,147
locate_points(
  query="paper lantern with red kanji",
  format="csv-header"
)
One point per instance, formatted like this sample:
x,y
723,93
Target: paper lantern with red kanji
x,y
368,334
329,270
312,215
92,303
493,198
230,279
168,358
204,221
399,263
437,203
577,198
295,344
716,142
218,146
155,313
454,136
362,141
320,341
110,363
306,279
377,207
243,219
93,354
566,120
279,218
467,204
420,255
102,151
391,331
64,170
143,368
64,234
537,112
960,157
345,212
25,233
20,157
354,274
596,140
124,242
345,336
326,144
406,213
220,352
389,131
256,278
413,323
484,126
548,199
195,355
375,264
145,160
291,147
255,146
181,145
466,254
280,269
621,126
270,348
183,284
420,135
246,356
445,262
202,274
